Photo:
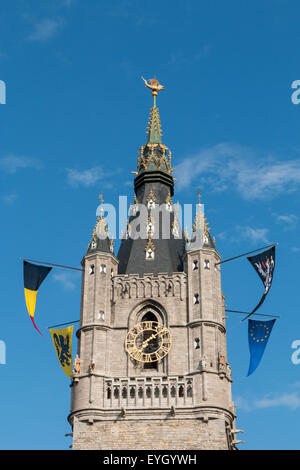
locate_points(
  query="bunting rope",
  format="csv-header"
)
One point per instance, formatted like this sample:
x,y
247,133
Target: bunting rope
x,y
51,264
248,253
62,324
247,313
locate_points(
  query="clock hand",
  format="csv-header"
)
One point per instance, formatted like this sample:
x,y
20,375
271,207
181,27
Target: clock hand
x,y
145,343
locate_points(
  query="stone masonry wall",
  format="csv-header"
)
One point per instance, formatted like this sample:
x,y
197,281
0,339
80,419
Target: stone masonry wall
x,y
189,434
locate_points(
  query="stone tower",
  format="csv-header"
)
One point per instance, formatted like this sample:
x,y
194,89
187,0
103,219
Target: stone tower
x,y
152,338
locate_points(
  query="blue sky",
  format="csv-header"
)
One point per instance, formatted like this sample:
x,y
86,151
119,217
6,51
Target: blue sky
x,y
75,116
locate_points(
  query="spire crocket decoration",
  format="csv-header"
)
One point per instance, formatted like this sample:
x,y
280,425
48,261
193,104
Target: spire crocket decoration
x,y
154,127
100,237
199,217
201,236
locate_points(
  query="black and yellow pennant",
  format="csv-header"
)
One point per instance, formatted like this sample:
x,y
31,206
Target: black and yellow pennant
x,y
33,278
62,340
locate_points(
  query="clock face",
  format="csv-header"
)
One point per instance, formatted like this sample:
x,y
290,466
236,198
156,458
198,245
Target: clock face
x,y
148,341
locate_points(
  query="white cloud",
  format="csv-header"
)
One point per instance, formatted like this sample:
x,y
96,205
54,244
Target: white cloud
x,y
226,166
254,234
295,249
67,279
85,177
90,176
289,400
12,163
9,199
45,29
241,403
288,221
247,233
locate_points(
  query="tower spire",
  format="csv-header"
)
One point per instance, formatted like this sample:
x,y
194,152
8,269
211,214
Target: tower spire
x,y
154,158
100,237
199,217
200,236
154,126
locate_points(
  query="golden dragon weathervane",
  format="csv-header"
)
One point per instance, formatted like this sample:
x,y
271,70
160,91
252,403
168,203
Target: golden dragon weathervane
x,y
154,85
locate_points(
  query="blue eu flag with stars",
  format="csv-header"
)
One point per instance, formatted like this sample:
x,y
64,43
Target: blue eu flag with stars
x,y
258,335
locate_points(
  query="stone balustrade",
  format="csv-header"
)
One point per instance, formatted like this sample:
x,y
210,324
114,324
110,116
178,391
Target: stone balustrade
x,y
148,392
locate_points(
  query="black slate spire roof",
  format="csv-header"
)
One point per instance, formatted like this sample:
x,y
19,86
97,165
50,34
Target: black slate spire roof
x,y
167,252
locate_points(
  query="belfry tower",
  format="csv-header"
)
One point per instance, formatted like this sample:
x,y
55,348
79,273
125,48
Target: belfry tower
x,y
152,338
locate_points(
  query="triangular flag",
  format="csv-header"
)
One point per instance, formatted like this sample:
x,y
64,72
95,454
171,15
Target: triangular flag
x,y
264,265
62,340
258,336
33,278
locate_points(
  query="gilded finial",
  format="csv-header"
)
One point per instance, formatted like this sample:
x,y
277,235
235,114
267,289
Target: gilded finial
x,y
199,217
199,196
186,234
101,204
154,86
154,155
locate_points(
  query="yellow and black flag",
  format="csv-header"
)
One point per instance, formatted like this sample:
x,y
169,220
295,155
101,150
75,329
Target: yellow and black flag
x,y
62,340
33,278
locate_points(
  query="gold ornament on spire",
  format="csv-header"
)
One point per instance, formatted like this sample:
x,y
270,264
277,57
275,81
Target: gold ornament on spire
x,y
101,228
169,202
151,196
199,221
206,227
154,155
150,248
154,86
186,234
